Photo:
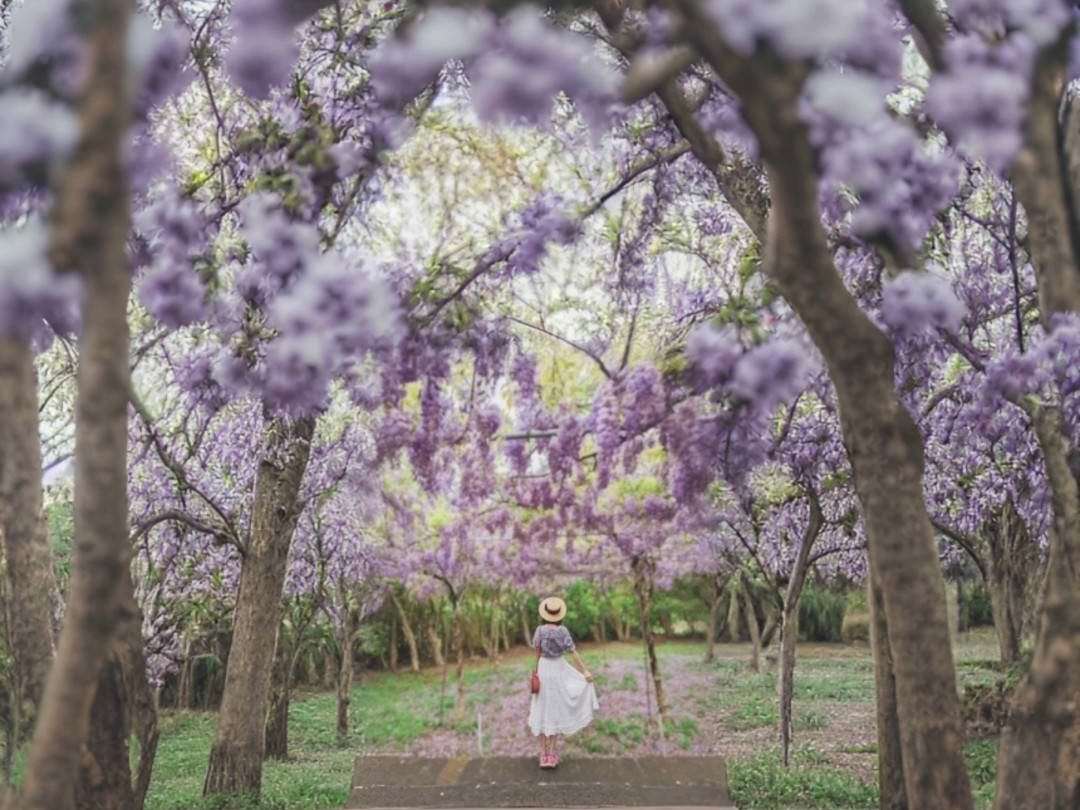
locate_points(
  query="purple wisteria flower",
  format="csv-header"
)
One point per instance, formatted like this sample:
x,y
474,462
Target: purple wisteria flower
x,y
913,302
31,292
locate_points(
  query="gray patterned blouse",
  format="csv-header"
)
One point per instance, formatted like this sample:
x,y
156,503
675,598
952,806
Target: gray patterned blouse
x,y
553,640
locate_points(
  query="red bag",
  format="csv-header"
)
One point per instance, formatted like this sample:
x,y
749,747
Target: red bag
x,y
534,681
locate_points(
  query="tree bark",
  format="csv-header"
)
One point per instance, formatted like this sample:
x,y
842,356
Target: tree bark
x,y
716,603
643,584
1039,757
183,690
91,221
883,443
237,755
277,719
123,704
734,609
459,651
892,793
392,648
435,642
410,636
789,626
1012,565
752,627
22,526
345,677
526,633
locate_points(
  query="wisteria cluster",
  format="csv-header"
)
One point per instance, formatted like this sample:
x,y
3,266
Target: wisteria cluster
x,y
516,66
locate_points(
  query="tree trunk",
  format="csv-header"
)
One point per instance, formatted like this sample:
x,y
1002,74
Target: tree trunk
x,y
123,703
26,544
410,636
785,684
772,624
277,719
715,605
1011,568
436,644
331,667
526,633
345,678
752,626
883,443
644,587
668,625
237,755
789,626
105,772
459,651
733,613
392,649
885,449
184,698
892,791
1039,757
91,221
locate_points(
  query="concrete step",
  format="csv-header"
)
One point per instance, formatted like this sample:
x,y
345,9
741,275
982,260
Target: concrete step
x,y
513,782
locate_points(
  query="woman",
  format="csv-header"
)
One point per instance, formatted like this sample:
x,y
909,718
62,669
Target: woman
x,y
567,698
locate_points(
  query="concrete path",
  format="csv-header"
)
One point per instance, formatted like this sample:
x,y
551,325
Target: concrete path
x,y
513,782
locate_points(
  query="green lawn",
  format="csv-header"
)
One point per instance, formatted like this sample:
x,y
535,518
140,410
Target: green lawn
x,y
719,707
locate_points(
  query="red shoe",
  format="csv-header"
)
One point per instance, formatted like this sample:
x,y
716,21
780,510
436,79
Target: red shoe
x,y
547,761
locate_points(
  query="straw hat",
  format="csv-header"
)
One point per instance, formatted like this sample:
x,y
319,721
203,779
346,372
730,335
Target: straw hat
x,y
552,609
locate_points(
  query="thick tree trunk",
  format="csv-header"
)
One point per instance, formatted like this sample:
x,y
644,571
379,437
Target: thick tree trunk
x,y
892,792
22,526
91,220
237,755
123,704
410,636
1039,757
345,678
886,453
1011,568
435,642
277,718
104,772
883,443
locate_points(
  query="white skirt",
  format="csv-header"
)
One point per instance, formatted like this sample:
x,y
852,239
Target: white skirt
x,y
566,701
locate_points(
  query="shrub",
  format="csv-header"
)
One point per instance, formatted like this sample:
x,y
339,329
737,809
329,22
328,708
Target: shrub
x,y
821,613
582,608
975,609
856,627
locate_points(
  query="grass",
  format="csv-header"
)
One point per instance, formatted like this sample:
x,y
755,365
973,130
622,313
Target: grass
x,y
762,783
981,756
396,712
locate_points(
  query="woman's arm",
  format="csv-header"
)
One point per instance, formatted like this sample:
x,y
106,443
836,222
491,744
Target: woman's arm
x,y
581,665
